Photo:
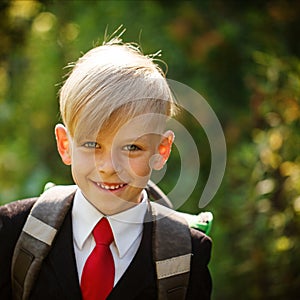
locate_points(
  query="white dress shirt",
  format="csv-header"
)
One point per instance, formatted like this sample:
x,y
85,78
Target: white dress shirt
x,y
127,228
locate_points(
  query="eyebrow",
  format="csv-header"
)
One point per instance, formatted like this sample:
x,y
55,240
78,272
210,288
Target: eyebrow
x,y
141,137
134,139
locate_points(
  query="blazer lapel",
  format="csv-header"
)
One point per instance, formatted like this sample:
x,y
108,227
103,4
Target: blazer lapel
x,y
140,275
62,259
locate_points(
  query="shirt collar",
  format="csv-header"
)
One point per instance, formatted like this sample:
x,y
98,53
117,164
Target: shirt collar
x,y
126,225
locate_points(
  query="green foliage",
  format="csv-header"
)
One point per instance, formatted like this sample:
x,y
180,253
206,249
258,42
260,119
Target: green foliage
x,y
265,201
243,57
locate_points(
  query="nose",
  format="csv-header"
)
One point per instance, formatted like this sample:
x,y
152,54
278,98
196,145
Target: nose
x,y
106,164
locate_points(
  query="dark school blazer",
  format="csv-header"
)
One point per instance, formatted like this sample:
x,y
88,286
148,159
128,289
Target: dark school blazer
x,y
58,278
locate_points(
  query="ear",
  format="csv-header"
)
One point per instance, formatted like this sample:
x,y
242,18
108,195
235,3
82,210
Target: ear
x,y
63,143
164,150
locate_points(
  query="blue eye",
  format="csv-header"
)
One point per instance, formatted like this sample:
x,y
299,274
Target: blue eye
x,y
93,145
131,148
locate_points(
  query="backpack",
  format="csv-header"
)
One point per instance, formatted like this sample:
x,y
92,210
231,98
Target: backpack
x,y
34,243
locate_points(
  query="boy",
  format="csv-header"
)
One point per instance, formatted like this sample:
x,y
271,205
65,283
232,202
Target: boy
x,y
114,106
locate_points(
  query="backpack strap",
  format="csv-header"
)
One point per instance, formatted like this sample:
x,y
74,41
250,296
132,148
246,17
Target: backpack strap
x,y
36,238
157,195
202,222
172,258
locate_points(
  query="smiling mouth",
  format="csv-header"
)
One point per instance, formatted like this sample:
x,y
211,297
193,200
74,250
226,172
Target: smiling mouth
x,y
110,187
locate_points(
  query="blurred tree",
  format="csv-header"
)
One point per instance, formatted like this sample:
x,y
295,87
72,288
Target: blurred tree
x,y
261,215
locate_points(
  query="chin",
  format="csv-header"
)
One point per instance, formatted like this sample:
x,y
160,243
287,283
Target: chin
x,y
113,206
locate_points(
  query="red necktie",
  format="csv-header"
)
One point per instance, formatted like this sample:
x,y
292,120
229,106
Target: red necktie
x,y
99,271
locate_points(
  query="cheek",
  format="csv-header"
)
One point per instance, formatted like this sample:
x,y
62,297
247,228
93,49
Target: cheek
x,y
140,167
83,162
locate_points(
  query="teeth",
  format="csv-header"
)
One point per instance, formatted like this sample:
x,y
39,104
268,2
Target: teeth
x,y
110,187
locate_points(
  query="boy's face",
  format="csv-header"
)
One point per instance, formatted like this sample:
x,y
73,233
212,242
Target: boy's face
x,y
113,167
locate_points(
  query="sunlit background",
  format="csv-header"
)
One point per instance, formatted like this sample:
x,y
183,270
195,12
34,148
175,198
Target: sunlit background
x,y
242,56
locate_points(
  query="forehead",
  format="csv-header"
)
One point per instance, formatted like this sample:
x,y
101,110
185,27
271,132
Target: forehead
x,y
143,113
123,126
136,127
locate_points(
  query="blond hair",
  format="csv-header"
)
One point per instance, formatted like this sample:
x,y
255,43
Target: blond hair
x,y
111,79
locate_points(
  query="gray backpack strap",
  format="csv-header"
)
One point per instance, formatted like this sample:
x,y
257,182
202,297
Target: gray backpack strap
x,y
36,238
157,195
172,248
